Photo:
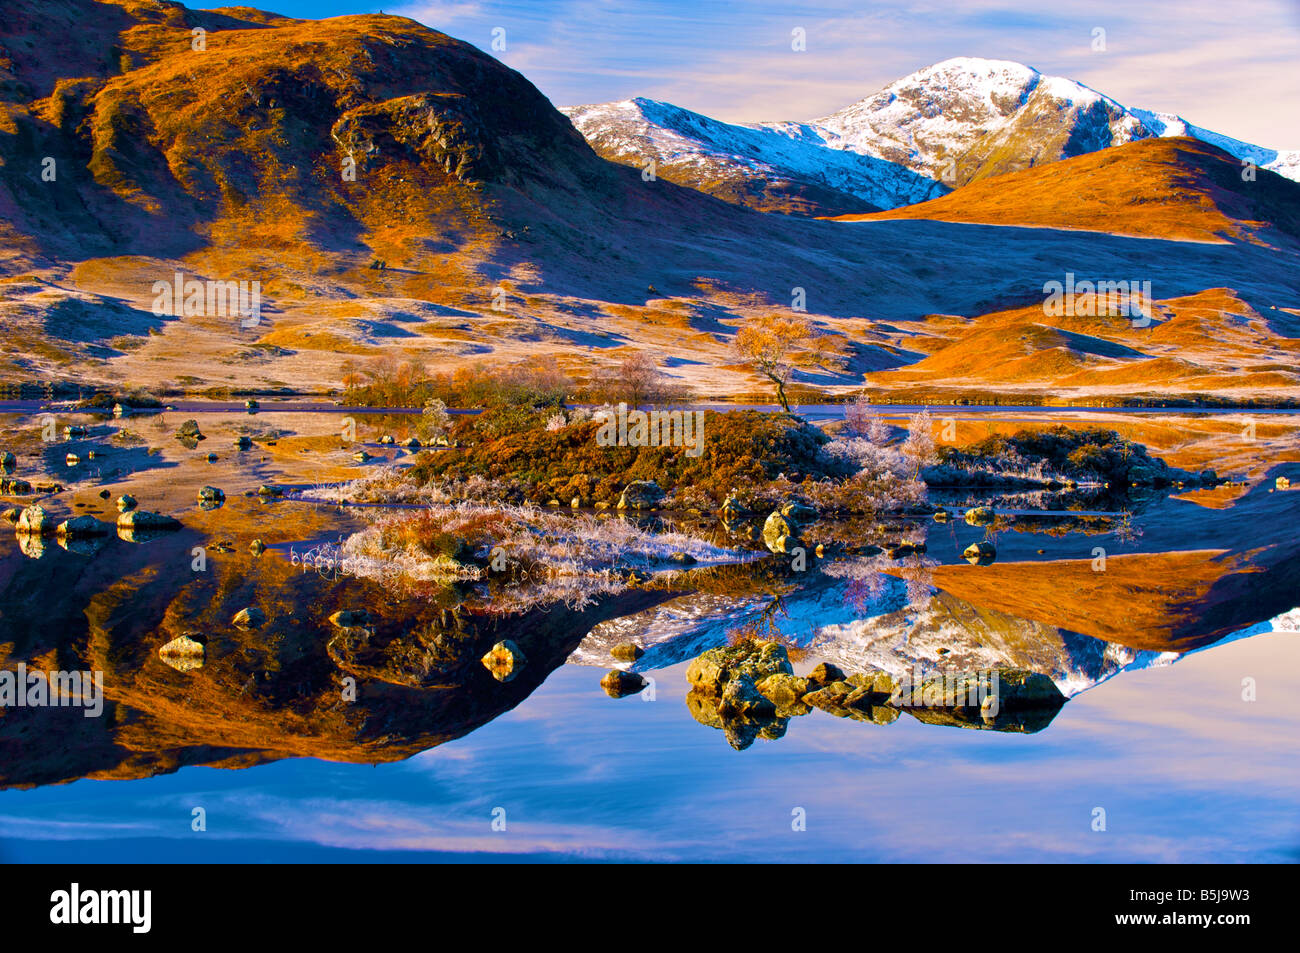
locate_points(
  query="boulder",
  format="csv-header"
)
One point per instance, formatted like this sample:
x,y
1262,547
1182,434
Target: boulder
x,y
126,502
798,512
640,495
350,618
143,519
249,618
14,487
682,559
251,404
620,684
504,660
411,443
749,658
741,699
83,526
627,652
183,653
257,547
780,534
190,430
7,460
387,439
267,490
878,684
942,516
785,692
980,554
243,443
980,516
732,507
824,674
34,521
211,494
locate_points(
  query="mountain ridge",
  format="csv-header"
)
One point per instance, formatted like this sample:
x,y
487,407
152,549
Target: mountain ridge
x,y
939,128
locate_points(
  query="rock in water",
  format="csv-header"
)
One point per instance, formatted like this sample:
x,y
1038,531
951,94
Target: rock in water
x,y
82,526
749,658
143,519
190,431
183,654
211,494
980,516
350,618
627,652
620,684
781,534
34,521
504,660
125,503
799,512
249,618
980,554
640,495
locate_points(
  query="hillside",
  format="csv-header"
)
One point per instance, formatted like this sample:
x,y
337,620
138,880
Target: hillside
x,y
480,226
1156,188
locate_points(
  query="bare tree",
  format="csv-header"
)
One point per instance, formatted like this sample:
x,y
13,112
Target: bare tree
x,y
775,345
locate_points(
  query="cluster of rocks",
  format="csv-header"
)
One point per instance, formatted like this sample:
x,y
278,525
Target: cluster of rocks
x,y
749,690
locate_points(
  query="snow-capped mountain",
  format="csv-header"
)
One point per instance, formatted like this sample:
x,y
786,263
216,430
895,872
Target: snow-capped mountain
x,y
786,167
934,130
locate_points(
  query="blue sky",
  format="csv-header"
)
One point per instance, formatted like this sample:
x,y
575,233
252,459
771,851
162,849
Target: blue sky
x,y
1224,66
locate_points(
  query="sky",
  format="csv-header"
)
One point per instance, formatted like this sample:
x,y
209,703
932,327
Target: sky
x,y
1229,67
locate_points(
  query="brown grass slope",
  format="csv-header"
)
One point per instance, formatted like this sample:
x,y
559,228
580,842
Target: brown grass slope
x,y
1159,188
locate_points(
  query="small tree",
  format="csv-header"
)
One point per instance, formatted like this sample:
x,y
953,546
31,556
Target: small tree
x,y
775,345
918,448
434,421
861,420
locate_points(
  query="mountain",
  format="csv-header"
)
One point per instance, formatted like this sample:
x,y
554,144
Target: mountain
x,y
950,124
789,169
480,227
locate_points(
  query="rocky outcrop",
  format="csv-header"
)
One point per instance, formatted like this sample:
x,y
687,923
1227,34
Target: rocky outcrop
x,y
640,495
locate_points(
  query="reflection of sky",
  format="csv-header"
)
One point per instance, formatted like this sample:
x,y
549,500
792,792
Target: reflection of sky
x,y
1185,770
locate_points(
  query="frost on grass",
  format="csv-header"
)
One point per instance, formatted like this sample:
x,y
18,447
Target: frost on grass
x,y
393,485
519,557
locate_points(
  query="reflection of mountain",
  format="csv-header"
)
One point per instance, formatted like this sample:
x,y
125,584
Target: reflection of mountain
x,y
1060,617
262,693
